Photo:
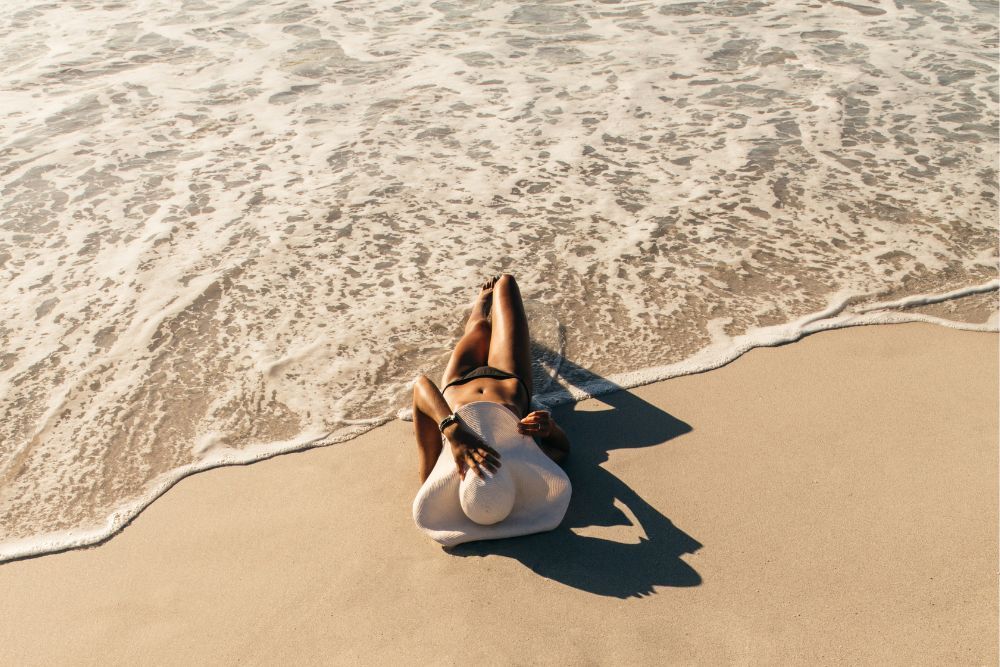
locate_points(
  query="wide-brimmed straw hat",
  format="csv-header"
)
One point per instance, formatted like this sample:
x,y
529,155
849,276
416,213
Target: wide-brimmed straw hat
x,y
528,494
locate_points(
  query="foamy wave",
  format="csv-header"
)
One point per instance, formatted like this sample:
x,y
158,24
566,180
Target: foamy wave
x,y
579,389
226,227
722,352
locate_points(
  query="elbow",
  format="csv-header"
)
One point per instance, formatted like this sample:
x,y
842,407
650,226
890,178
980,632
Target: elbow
x,y
557,454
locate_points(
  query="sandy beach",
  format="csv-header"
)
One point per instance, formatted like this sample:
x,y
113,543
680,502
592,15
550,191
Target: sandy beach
x,y
231,231
825,502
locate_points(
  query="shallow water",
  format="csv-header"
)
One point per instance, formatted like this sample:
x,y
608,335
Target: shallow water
x,y
236,228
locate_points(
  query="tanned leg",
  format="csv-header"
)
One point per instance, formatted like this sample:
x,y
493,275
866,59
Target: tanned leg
x,y
472,350
510,344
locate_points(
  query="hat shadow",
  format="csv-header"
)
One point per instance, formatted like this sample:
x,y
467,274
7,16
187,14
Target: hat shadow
x,y
575,554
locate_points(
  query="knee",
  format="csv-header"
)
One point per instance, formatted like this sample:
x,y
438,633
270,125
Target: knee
x,y
479,328
506,280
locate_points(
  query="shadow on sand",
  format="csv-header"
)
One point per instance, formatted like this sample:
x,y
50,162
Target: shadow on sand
x,y
596,565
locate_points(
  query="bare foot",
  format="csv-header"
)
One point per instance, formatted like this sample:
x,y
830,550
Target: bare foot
x,y
490,282
484,302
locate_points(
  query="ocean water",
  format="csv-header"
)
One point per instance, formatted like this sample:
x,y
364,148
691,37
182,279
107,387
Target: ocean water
x,y
232,229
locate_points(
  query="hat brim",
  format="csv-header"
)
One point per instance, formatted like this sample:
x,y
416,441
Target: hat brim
x,y
542,487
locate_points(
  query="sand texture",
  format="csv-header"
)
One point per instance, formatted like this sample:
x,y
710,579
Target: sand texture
x,y
833,501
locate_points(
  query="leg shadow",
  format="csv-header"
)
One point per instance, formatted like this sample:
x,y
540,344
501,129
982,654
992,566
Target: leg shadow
x,y
574,554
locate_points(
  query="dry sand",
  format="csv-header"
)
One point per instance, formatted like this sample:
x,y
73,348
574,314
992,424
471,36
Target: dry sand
x,y
829,501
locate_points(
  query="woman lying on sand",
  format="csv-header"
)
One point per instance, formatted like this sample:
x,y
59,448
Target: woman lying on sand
x,y
491,362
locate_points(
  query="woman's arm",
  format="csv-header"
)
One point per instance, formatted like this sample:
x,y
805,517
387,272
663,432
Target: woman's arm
x,y
556,445
429,408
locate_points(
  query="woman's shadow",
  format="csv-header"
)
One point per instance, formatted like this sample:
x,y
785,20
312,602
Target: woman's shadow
x,y
621,569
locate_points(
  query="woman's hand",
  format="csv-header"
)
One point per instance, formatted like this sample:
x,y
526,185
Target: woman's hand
x,y
470,452
538,424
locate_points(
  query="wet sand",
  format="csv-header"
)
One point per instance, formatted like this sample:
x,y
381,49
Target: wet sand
x,y
829,501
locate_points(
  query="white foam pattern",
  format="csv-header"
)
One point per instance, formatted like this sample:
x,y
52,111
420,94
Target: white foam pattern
x,y
232,229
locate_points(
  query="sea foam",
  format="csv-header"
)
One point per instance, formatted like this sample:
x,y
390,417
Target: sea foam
x,y
230,230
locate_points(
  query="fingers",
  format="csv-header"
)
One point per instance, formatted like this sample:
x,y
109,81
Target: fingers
x,y
478,461
474,463
486,458
485,462
471,453
488,452
536,422
491,454
470,462
490,460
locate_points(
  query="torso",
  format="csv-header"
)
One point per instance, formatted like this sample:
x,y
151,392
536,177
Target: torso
x,y
507,393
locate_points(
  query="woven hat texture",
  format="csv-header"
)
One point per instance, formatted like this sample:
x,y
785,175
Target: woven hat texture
x,y
541,489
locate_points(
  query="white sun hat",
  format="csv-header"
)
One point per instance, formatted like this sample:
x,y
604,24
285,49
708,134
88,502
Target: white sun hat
x,y
528,494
